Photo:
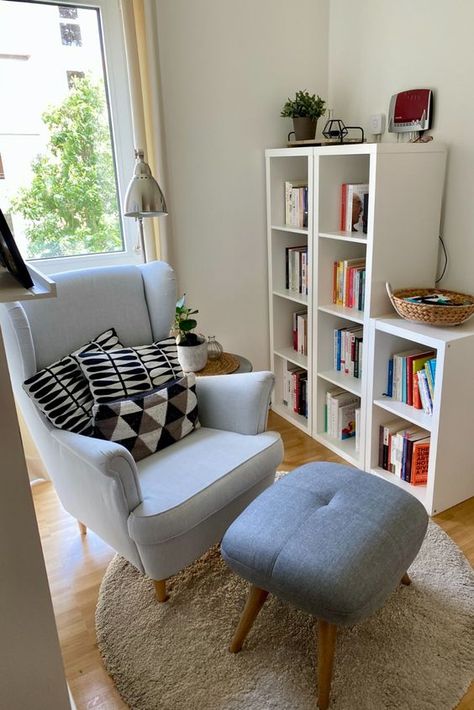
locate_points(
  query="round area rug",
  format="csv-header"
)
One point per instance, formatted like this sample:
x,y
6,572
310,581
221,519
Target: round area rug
x,y
416,653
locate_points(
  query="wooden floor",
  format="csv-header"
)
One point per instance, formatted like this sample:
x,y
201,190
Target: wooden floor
x,y
76,565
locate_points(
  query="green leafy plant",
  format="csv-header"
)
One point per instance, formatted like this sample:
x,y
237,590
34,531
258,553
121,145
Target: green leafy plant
x,y
184,324
304,105
70,206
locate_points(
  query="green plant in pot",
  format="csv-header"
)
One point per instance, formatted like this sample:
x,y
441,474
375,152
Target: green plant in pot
x,y
304,109
192,348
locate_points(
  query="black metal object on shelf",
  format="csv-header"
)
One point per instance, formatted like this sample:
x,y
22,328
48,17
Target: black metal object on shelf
x,y
335,130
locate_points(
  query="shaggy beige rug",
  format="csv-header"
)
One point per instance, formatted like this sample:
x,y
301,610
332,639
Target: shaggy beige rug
x,y
417,653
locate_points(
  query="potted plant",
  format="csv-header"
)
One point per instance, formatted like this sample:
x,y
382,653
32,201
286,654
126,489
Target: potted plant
x,y
304,109
192,348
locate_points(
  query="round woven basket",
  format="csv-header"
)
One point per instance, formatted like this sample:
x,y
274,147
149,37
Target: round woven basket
x,y
431,314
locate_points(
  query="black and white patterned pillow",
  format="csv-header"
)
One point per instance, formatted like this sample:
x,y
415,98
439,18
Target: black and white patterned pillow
x,y
149,422
62,392
123,373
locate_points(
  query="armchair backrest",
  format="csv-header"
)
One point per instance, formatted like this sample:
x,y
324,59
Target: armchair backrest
x,y
138,301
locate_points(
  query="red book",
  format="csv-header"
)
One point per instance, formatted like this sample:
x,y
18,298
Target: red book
x,y
422,355
419,462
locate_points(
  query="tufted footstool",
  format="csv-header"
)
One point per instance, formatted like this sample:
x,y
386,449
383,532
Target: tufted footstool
x,y
329,539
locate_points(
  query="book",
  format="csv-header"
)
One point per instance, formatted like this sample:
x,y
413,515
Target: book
x,y
336,399
296,203
352,206
357,429
346,427
420,461
387,431
414,363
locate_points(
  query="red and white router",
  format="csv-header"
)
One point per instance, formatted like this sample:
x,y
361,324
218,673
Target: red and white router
x,y
410,111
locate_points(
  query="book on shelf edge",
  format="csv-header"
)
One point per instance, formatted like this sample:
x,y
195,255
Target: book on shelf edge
x,y
352,207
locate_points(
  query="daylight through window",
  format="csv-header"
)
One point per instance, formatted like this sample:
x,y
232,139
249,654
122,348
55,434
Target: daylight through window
x,y
57,162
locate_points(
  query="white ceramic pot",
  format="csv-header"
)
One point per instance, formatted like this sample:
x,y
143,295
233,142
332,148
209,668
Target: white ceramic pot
x,y
192,358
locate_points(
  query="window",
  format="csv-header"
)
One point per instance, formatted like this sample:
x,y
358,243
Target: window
x,y
69,13
71,34
72,76
71,162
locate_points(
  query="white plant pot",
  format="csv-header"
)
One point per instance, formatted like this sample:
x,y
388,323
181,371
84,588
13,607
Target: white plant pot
x,y
192,358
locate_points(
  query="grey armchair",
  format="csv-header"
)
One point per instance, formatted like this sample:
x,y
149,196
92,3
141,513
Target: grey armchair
x,y
166,510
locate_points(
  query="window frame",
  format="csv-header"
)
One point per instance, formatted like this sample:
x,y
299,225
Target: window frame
x,y
118,101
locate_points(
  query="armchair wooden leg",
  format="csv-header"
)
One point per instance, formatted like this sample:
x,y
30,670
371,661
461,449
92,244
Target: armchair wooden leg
x,y
82,528
406,579
160,590
326,647
255,601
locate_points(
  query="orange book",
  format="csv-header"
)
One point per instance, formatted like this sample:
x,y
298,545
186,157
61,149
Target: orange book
x,y
416,392
343,206
419,462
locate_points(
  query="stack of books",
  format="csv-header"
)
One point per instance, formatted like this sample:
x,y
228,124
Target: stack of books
x,y
404,451
348,350
349,283
340,414
296,204
295,381
411,378
354,207
296,269
300,332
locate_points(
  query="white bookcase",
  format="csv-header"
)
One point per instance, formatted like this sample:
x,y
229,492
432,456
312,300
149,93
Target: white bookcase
x,y
401,246
451,462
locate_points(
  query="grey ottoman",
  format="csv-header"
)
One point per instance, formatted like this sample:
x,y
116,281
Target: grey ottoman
x,y
329,539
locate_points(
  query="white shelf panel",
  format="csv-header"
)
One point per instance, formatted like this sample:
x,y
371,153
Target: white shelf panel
x,y
291,295
345,449
297,419
344,237
405,411
292,356
12,290
289,228
351,384
419,492
343,312
429,335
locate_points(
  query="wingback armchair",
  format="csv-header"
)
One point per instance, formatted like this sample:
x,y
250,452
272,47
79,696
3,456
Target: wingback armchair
x,y
169,508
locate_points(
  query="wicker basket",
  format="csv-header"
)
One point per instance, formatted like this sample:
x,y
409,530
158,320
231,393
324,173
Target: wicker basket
x,y
430,314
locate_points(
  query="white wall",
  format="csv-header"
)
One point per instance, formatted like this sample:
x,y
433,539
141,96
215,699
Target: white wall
x,y
227,67
379,48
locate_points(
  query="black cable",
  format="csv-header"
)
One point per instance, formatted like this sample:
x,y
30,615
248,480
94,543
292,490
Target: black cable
x,y
445,260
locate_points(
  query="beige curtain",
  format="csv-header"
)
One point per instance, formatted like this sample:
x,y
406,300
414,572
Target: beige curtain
x,y
139,26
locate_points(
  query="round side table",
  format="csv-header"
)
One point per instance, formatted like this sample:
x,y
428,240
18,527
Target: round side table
x,y
226,365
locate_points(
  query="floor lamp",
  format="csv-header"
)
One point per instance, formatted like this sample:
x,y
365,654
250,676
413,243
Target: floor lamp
x,y
144,197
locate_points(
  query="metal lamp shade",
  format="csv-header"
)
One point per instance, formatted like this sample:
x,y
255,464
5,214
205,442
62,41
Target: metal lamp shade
x,y
144,197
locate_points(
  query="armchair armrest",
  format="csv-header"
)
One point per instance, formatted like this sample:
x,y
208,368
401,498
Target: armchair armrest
x,y
236,403
103,458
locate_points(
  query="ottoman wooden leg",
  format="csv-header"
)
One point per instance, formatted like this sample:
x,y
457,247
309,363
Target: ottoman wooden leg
x,y
326,647
406,579
255,601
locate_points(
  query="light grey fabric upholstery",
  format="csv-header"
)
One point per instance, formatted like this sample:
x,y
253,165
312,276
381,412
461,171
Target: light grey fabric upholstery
x,y
164,512
331,540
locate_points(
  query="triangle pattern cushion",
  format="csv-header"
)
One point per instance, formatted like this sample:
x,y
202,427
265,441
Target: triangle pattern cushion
x,y
62,392
148,422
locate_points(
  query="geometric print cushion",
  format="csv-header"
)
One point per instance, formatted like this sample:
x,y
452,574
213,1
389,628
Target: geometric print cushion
x,y
62,392
149,422
123,373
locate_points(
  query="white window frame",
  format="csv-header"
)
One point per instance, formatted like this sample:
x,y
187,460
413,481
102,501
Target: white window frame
x,y
116,81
